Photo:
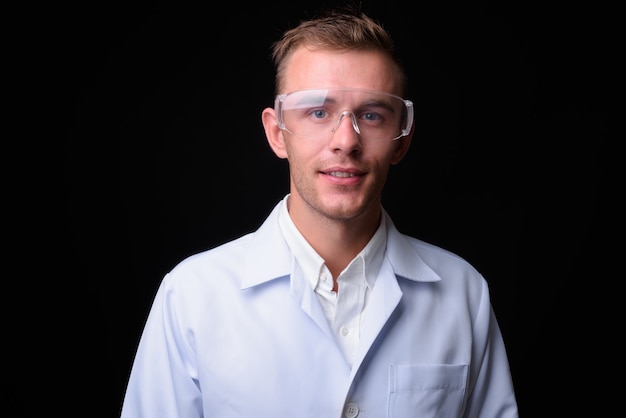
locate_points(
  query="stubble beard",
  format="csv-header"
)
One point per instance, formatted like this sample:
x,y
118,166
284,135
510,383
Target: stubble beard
x,y
334,211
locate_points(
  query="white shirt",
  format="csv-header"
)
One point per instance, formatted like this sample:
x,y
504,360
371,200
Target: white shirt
x,y
345,309
238,332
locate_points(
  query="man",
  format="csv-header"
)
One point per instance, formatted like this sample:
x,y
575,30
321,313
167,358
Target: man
x,y
326,310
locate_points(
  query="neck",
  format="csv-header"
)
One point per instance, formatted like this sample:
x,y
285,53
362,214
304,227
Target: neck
x,y
337,241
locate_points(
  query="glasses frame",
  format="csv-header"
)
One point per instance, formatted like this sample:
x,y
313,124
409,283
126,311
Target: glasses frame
x,y
408,105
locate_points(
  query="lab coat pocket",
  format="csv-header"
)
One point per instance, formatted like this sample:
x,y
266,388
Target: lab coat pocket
x,y
427,390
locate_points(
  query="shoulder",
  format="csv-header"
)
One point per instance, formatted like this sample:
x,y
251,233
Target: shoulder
x,y
413,255
221,257
420,261
251,259
435,254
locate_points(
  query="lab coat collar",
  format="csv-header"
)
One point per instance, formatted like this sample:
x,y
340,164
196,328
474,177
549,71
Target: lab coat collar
x,y
404,256
269,258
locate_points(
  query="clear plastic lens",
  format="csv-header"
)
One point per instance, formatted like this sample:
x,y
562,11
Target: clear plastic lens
x,y
317,113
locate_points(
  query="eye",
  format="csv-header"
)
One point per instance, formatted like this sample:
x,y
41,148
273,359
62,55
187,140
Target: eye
x,y
371,116
318,113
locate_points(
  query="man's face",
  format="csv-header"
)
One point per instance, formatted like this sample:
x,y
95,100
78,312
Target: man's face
x,y
339,174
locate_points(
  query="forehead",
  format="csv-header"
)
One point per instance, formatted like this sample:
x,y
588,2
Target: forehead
x,y
339,99
316,68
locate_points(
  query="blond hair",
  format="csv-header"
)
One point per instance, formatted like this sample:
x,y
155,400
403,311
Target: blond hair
x,y
346,28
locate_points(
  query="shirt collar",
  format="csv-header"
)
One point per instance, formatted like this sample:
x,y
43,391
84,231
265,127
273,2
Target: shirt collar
x,y
311,263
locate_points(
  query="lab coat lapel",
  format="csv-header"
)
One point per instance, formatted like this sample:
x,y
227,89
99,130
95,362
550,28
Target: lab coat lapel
x,y
385,296
305,296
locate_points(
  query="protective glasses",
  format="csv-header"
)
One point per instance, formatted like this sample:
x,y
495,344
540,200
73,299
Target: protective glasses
x,y
317,113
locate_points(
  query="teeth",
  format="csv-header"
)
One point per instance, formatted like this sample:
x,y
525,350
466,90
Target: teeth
x,y
340,174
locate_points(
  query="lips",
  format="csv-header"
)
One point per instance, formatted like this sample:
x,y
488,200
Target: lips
x,y
340,174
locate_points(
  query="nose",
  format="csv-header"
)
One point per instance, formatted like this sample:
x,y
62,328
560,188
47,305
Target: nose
x,y
346,138
352,120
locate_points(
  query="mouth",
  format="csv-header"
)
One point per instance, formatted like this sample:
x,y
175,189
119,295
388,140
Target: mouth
x,y
342,174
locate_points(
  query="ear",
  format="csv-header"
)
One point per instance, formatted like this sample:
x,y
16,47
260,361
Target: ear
x,y
273,133
402,147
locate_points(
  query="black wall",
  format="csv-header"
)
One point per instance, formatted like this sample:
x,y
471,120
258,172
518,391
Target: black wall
x,y
165,156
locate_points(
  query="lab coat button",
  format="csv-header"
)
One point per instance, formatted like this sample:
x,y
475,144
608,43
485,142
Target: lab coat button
x,y
352,410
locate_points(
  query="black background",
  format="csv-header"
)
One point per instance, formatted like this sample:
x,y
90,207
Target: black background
x,y
163,155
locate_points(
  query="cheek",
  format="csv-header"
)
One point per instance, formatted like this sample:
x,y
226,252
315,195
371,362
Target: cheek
x,y
301,151
384,154
382,162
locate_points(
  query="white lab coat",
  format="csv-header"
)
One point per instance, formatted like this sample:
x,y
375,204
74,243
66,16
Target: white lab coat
x,y
237,332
